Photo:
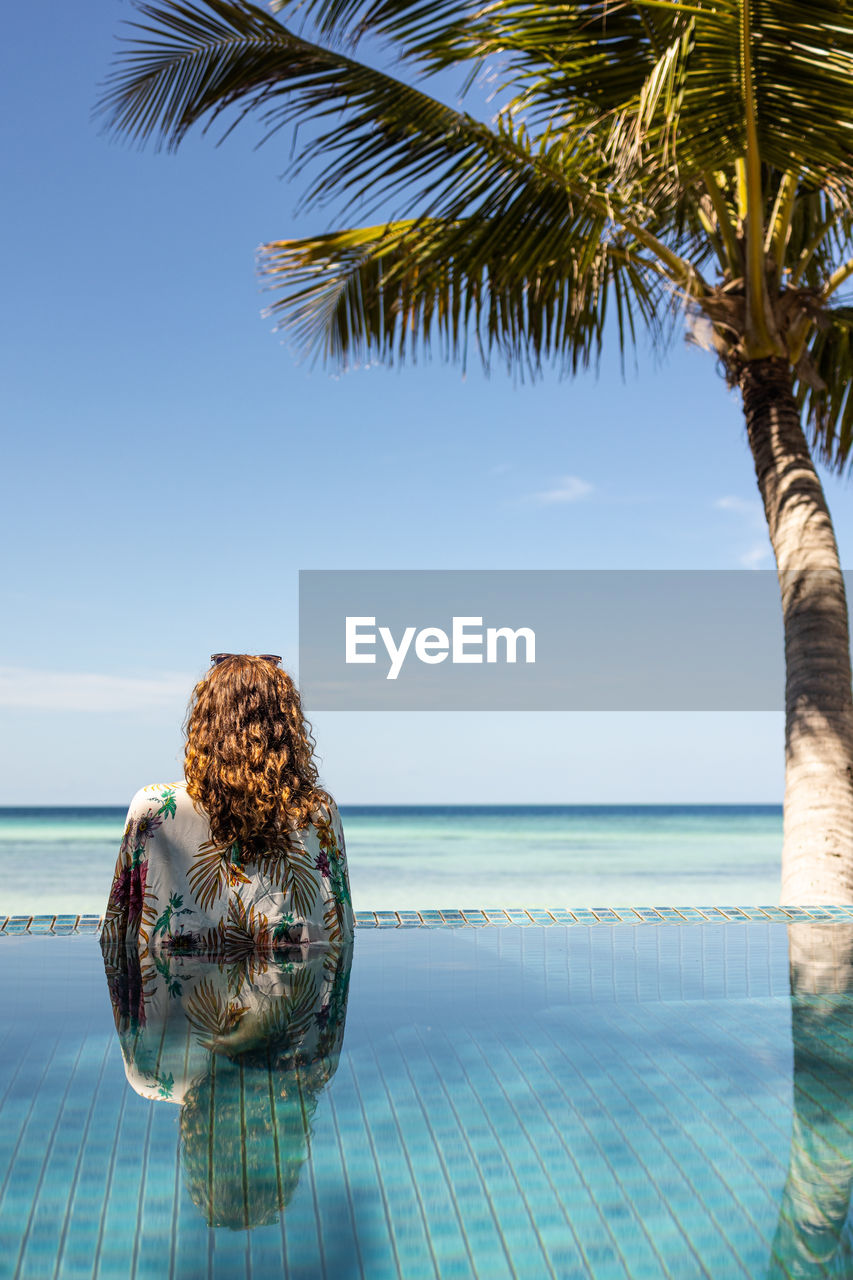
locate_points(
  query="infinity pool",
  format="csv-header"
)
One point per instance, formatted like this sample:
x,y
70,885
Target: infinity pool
x,y
564,1102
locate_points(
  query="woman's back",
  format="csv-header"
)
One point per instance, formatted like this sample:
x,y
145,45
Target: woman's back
x,y
173,887
248,852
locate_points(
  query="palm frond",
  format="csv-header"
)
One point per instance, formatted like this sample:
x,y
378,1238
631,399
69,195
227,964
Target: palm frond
x,y
394,140
828,409
674,72
413,24
821,234
193,63
388,292
516,236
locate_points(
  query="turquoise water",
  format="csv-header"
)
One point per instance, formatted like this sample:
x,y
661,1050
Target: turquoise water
x,y
419,857
602,1103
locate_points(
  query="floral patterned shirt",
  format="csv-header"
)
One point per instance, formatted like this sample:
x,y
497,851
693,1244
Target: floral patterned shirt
x,y
173,889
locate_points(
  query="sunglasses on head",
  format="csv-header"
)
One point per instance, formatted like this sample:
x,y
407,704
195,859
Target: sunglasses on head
x,y
216,658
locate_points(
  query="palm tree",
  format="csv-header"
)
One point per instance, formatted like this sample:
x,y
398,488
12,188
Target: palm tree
x,y
686,162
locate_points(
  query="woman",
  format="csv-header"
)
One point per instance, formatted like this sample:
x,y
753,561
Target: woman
x,y
248,852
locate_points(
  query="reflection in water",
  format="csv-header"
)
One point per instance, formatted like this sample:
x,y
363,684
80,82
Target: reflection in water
x,y
813,1236
245,1047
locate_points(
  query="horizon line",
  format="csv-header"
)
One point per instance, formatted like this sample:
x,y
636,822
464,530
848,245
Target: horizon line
x,y
471,804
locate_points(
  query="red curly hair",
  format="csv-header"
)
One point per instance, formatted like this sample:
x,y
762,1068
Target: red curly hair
x,y
249,757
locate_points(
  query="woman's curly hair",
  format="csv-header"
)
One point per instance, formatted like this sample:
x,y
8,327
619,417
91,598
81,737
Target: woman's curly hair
x,y
249,753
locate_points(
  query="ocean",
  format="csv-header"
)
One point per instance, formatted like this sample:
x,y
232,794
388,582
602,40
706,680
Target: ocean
x,y
412,856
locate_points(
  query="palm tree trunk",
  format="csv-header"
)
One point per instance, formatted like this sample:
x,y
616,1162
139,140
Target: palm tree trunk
x,y
817,857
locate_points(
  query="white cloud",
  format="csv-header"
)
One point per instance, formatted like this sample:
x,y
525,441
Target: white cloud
x,y
568,489
747,506
84,691
752,513
756,556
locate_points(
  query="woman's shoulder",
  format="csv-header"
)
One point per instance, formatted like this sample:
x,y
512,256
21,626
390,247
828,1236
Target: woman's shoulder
x,y
325,810
321,817
161,797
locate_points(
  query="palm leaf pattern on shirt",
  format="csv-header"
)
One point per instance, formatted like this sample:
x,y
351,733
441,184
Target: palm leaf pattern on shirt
x,y
209,874
165,1085
173,983
209,941
168,804
333,919
174,908
293,874
290,1016
210,1012
246,929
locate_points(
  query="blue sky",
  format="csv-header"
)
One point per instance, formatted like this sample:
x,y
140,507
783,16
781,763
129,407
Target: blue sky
x,y
171,465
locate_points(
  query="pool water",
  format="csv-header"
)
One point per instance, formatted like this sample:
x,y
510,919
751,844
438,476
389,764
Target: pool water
x,y
565,1102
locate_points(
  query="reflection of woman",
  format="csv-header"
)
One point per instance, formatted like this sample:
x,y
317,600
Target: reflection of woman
x,y
248,850
245,1049
813,1235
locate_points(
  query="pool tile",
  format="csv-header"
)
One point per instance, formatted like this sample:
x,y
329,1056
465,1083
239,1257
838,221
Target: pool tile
x,y
18,924
453,917
517,916
65,922
41,924
562,915
409,918
493,916
387,919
